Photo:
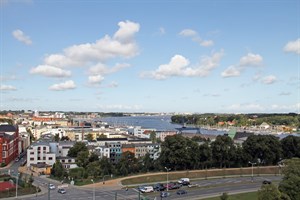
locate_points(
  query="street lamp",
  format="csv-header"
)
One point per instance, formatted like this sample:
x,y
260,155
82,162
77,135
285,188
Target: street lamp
x,y
168,169
252,163
93,189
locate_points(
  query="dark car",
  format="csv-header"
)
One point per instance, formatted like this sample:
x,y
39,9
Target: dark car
x,y
266,182
185,183
176,186
159,187
180,192
164,194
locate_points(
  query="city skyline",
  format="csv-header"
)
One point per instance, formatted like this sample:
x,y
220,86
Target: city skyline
x,y
150,56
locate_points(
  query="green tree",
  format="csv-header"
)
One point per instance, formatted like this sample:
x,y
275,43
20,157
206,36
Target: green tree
x,y
290,184
205,155
89,137
153,137
290,146
82,159
56,138
269,192
223,151
174,152
78,146
93,169
57,169
224,196
64,138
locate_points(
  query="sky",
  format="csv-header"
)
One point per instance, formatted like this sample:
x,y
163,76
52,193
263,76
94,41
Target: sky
x,y
188,56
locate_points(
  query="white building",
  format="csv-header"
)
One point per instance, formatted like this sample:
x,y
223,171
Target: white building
x,y
40,153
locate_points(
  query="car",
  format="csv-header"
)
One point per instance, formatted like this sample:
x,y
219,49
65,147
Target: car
x,y
165,194
183,180
159,187
185,183
181,192
176,186
51,186
266,182
147,189
61,191
193,185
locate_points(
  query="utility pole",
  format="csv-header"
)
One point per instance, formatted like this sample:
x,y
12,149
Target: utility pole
x,y
48,190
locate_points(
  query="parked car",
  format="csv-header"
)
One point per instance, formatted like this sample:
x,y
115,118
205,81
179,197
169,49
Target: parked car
x,y
181,192
61,191
186,180
176,186
164,194
140,187
185,183
193,185
159,187
147,189
51,186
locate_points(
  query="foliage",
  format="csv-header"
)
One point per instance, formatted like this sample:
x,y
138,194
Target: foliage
x,y
56,138
64,138
78,147
89,137
224,196
58,170
269,192
76,173
263,149
291,146
223,151
290,185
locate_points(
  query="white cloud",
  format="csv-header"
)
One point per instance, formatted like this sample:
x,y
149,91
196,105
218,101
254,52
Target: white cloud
x,y
162,31
231,72
180,66
247,107
269,79
293,46
121,45
7,87
246,61
126,31
67,85
19,35
119,107
100,68
50,71
251,60
188,33
286,108
195,37
7,77
113,84
95,80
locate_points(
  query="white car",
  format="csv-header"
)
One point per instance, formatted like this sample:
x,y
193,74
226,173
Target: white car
x,y
147,189
51,186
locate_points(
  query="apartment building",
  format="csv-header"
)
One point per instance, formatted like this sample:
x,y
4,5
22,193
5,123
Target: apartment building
x,y
40,153
9,143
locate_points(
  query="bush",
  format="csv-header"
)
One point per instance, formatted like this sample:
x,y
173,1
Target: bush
x,y
224,196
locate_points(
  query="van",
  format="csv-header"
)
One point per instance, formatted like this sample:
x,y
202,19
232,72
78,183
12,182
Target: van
x,y
147,189
184,180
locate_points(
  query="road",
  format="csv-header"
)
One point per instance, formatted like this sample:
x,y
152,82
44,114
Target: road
x,y
207,188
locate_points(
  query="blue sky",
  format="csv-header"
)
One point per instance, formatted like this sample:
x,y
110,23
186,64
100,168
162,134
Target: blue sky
x,y
150,56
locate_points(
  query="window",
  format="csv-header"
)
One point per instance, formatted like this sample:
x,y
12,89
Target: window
x,y
31,153
69,160
39,148
50,158
44,148
31,158
44,158
38,158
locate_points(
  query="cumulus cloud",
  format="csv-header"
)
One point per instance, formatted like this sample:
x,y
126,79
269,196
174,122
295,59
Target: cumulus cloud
x,y
248,60
113,84
247,107
7,88
195,37
102,69
180,66
7,77
251,60
122,44
67,85
269,79
293,46
19,35
231,72
50,71
95,80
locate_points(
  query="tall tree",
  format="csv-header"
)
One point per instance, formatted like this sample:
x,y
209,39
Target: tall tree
x,y
290,185
78,146
290,146
223,150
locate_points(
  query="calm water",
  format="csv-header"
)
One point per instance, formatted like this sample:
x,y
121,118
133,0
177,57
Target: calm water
x,y
160,123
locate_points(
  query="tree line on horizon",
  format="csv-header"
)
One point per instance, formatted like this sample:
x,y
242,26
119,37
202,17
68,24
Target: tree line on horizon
x,y
247,120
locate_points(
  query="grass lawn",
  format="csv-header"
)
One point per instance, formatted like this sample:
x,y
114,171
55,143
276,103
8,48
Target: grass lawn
x,y
243,196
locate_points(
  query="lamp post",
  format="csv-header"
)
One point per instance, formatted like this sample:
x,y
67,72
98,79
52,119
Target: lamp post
x,y
168,169
93,189
252,163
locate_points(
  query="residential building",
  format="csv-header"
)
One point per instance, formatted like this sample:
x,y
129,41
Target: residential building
x,y
9,142
40,153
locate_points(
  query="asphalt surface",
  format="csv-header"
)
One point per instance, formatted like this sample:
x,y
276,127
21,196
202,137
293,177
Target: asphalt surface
x,y
204,189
